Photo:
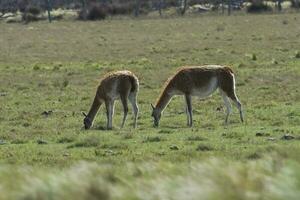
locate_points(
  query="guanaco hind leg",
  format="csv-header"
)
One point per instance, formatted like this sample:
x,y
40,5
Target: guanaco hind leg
x,y
133,100
238,104
188,100
227,105
228,89
125,107
231,94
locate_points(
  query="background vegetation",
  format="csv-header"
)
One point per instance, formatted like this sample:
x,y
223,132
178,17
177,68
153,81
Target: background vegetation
x,y
27,11
49,74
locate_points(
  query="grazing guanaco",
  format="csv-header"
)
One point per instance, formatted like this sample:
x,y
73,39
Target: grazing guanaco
x,y
199,81
122,85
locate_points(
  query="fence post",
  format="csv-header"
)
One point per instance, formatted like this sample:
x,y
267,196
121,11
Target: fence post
x,y
49,8
83,3
229,7
137,8
183,6
279,5
159,7
223,8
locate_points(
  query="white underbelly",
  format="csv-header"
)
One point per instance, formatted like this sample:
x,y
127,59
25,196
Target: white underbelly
x,y
207,89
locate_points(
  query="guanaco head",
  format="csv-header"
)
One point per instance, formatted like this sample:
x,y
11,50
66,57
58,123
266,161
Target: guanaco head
x,y
156,116
86,121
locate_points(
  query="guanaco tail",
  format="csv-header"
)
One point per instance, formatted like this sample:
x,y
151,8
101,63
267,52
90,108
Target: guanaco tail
x,y
122,85
199,81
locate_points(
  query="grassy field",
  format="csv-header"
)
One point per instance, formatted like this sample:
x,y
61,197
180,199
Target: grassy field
x,y
49,74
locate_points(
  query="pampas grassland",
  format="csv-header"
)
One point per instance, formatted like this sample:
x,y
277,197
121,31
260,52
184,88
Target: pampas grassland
x,y
49,74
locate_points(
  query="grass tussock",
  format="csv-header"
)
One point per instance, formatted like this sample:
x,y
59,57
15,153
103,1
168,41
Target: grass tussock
x,y
65,139
79,182
267,178
204,147
89,141
196,138
18,141
152,139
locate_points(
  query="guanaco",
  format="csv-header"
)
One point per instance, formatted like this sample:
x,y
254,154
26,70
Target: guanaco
x,y
123,85
199,81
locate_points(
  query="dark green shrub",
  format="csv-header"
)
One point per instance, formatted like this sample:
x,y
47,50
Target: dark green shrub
x,y
121,9
295,4
22,5
258,7
27,17
93,12
171,3
31,13
33,10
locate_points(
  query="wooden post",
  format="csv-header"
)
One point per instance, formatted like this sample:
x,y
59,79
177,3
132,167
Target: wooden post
x,y
49,8
183,7
83,3
279,5
137,8
223,8
229,7
159,7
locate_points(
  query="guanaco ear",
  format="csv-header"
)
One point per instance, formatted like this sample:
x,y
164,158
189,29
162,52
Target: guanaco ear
x,y
152,106
84,114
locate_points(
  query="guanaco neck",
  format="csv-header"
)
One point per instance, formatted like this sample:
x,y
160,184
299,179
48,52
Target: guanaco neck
x,y
163,100
94,108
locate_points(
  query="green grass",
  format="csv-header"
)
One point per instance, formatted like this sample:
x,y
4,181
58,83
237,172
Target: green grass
x,y
56,67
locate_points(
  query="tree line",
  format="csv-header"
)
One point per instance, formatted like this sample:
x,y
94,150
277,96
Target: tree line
x,y
99,9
